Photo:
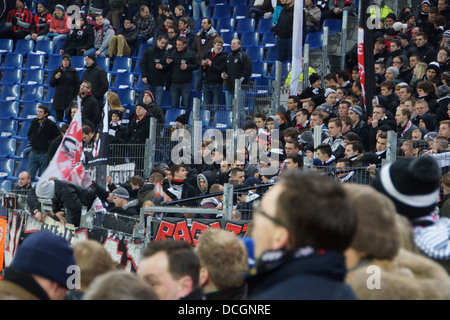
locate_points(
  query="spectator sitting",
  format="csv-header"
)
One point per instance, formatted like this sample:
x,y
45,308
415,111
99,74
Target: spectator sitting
x,y
60,25
41,23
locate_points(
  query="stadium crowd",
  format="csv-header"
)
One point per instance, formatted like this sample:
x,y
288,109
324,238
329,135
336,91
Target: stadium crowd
x,y
299,256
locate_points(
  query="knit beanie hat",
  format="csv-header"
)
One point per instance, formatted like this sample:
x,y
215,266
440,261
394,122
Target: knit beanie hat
x,y
434,66
92,57
412,183
60,7
121,193
313,78
327,107
150,94
45,254
357,110
377,233
45,189
394,71
408,16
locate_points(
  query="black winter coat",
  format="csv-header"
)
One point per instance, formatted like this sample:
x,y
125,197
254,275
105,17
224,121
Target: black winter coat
x,y
79,39
66,87
138,130
155,77
98,78
239,65
183,76
41,134
213,73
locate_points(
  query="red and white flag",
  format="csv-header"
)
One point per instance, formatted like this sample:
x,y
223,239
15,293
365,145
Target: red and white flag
x,y
67,163
361,68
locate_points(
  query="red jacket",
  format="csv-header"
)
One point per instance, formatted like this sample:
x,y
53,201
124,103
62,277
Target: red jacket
x,y
61,26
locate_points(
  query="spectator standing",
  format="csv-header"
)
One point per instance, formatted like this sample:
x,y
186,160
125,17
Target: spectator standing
x,y
42,131
199,8
203,44
93,8
239,67
18,22
115,13
80,38
283,31
90,108
59,25
40,23
213,64
97,77
182,63
103,32
66,81
154,68
186,31
38,270
124,43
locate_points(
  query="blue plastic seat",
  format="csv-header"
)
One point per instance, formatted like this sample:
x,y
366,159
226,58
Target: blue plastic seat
x,y
24,46
265,25
225,24
11,76
33,77
228,36
245,25
235,3
240,11
53,61
334,25
22,165
256,53
249,39
13,60
29,111
34,61
268,40
223,119
141,50
314,39
122,65
127,97
103,62
171,116
259,69
166,102
5,186
6,168
271,54
44,47
205,118
8,147
10,92
22,133
77,62
220,11
123,80
9,109
48,99
8,128
6,45
213,3
32,93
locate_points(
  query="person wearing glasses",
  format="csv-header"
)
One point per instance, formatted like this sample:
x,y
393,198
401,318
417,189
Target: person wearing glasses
x,y
302,227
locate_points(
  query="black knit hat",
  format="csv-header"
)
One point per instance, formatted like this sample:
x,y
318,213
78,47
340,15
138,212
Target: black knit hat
x,y
313,78
412,183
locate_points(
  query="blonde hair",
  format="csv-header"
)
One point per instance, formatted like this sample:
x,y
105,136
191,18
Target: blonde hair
x,y
421,69
114,101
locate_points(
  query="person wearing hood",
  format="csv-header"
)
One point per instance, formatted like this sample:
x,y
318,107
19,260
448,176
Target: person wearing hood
x,y
378,242
124,43
422,16
103,32
41,23
97,77
60,25
80,38
427,122
153,108
66,81
205,180
202,45
68,195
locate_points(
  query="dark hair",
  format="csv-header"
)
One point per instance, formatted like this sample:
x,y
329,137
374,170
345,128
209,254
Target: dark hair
x,y
325,148
328,224
296,158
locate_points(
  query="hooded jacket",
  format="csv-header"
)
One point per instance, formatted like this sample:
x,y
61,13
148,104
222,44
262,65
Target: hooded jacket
x,y
62,26
82,38
131,36
103,35
203,42
66,87
209,177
